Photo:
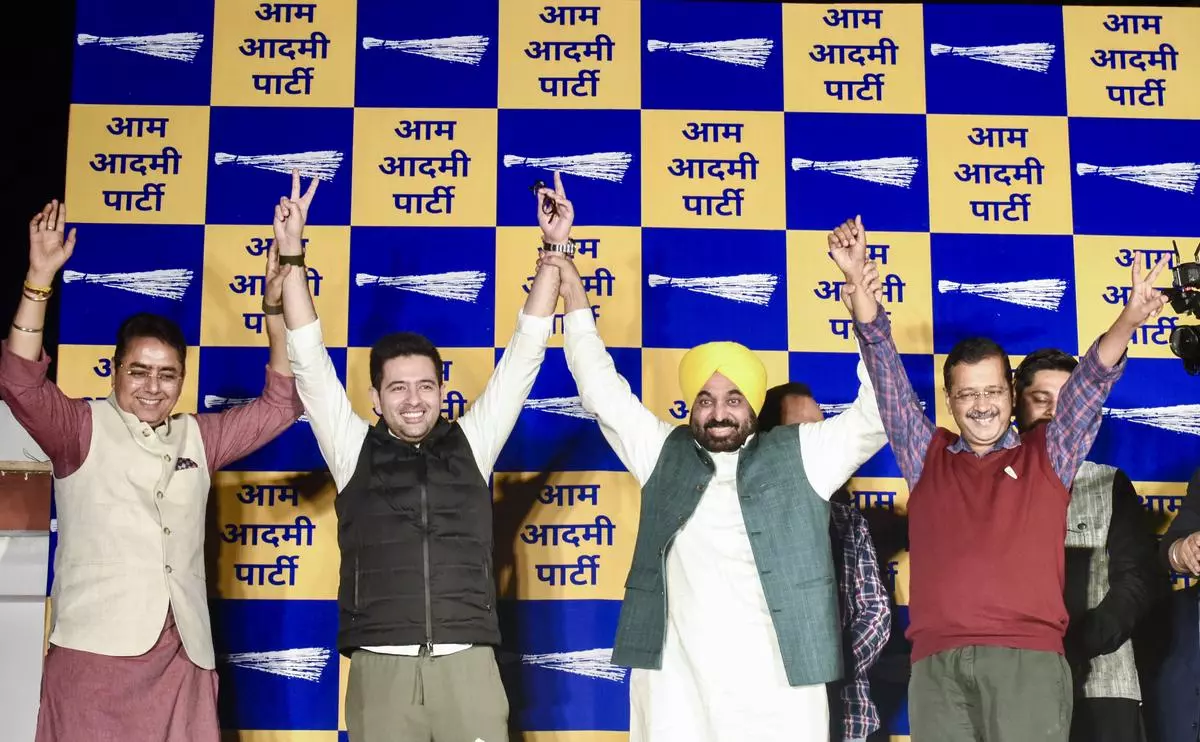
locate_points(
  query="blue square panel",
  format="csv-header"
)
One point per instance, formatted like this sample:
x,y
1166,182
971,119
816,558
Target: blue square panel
x,y
1135,177
254,150
833,379
712,56
1017,290
278,664
842,164
425,55
553,656
119,270
234,376
598,153
1150,425
439,282
995,59
141,52
704,285
554,432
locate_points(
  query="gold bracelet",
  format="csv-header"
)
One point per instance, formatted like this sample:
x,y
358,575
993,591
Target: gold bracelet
x,y
30,330
47,290
35,297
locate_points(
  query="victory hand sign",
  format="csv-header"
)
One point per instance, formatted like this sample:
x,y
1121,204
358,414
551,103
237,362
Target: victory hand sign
x,y
291,214
555,212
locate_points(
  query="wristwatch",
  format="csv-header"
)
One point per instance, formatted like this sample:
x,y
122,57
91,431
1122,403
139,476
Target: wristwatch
x,y
566,248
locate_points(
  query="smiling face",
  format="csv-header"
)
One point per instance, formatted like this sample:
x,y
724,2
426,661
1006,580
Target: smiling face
x,y
1039,399
148,380
980,398
721,417
409,397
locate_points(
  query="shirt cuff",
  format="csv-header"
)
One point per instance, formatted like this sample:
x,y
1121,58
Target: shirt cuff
x,y
538,328
579,321
875,331
308,337
18,371
1093,368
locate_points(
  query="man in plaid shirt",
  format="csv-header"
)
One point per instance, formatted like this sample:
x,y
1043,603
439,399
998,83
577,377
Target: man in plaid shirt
x,y
866,613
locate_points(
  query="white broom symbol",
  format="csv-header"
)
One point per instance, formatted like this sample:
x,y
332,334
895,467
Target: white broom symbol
x,y
1037,293
1034,56
1180,418
306,663
1169,176
181,47
460,49
749,288
168,283
568,406
589,663
610,166
452,285
889,171
320,164
745,52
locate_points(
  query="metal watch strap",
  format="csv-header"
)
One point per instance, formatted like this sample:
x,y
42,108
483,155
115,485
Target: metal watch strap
x,y
566,248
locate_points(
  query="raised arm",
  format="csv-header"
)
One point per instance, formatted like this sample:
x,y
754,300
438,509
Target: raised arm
x,y
908,429
338,430
57,423
635,433
237,432
833,449
1072,431
491,418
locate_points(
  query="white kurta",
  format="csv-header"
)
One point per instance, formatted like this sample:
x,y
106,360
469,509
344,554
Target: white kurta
x,y
722,676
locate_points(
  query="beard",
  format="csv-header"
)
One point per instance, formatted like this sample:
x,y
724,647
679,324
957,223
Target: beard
x,y
726,443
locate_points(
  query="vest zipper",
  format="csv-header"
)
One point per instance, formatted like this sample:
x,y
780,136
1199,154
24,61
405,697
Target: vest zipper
x,y
425,550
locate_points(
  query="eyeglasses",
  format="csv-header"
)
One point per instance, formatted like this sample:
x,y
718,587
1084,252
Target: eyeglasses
x,y
971,396
166,377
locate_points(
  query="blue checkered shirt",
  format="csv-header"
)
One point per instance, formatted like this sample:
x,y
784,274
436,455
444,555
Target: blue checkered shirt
x,y
866,616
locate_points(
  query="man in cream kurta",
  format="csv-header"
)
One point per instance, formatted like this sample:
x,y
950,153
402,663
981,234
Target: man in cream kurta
x,y
722,676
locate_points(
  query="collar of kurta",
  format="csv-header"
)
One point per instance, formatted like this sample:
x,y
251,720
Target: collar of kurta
x,y
165,431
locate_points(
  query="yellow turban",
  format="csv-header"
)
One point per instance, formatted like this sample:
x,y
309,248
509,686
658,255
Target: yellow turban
x,y
734,361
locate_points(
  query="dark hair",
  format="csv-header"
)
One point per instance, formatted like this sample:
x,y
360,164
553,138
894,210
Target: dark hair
x,y
974,350
145,325
1045,359
771,413
399,344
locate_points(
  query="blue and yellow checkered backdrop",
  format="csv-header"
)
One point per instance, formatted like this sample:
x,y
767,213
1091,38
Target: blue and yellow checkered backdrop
x,y
1011,164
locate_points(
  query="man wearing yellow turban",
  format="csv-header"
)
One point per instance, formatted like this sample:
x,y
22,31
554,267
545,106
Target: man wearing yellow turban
x,y
730,615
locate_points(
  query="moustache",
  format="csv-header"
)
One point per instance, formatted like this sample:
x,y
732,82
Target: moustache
x,y
711,424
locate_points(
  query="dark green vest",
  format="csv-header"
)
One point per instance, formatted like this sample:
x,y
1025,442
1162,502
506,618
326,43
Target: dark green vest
x,y
788,526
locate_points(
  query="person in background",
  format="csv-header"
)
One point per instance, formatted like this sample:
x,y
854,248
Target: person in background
x,y
1174,715
1113,577
131,652
865,608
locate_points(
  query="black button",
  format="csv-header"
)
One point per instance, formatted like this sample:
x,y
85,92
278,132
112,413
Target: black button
x,y
1083,526
699,488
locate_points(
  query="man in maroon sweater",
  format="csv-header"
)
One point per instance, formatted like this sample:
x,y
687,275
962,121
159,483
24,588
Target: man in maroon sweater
x,y
987,520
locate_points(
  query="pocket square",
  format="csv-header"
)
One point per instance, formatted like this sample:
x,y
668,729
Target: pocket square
x,y
185,463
